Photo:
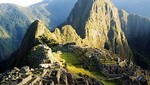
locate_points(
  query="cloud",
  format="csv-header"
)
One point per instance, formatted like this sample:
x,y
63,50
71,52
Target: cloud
x,y
24,3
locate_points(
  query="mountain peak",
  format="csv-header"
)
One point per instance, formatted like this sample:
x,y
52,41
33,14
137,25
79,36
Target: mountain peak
x,y
90,10
97,21
33,33
38,28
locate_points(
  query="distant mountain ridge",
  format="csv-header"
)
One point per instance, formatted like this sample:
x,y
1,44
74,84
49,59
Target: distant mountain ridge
x,y
14,21
139,7
137,31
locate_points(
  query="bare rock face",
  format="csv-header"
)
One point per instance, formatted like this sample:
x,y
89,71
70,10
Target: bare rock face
x,y
97,23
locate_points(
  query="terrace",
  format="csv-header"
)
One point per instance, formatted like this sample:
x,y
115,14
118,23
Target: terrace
x,y
75,66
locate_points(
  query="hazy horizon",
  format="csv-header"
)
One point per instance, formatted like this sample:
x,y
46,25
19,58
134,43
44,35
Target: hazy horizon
x,y
24,3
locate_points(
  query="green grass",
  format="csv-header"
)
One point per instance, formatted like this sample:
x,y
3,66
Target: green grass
x,y
74,65
108,62
74,70
111,82
71,58
99,74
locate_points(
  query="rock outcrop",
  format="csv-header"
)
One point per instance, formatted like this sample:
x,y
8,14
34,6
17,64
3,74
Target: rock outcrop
x,y
97,23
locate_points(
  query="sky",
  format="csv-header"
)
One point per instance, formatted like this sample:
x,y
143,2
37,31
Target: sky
x,y
23,3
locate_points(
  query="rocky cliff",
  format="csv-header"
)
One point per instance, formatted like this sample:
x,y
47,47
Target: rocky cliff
x,y
97,23
137,32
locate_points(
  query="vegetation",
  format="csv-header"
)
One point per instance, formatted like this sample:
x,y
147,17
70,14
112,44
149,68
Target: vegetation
x,y
71,58
107,45
45,40
36,56
15,20
107,61
111,82
74,65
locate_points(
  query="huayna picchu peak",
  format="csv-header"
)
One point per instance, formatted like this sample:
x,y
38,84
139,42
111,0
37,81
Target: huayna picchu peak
x,y
97,22
96,45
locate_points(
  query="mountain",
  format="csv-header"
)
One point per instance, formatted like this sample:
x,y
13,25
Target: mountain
x,y
47,65
140,7
14,21
37,33
58,9
97,23
12,28
98,27
137,31
96,41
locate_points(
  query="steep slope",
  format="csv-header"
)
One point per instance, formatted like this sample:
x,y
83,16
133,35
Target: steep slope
x,y
137,30
35,32
58,9
4,37
11,22
97,22
14,20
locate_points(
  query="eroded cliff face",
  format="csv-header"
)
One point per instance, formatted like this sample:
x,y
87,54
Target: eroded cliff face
x,y
137,31
97,23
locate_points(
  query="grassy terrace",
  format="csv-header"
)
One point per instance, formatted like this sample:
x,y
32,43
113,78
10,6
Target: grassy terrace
x,y
74,65
112,82
107,62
